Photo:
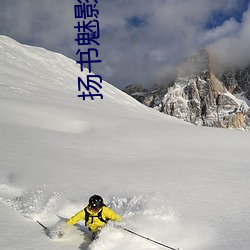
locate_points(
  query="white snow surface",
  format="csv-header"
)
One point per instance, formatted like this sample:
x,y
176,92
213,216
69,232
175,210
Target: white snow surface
x,y
182,185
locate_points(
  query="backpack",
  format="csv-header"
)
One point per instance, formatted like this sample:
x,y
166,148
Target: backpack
x,y
88,216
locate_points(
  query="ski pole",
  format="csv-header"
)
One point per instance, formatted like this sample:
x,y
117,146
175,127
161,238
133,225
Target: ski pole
x,y
146,238
45,228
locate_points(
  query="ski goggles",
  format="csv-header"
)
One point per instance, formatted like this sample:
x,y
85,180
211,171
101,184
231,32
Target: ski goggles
x,y
94,208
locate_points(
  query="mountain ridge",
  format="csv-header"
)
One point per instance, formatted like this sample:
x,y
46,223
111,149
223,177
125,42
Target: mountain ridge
x,y
200,95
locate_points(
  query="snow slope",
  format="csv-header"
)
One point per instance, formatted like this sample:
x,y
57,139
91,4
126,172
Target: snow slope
x,y
176,183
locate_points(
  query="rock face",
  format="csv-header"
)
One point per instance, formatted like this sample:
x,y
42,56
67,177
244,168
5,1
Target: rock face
x,y
137,91
201,97
237,81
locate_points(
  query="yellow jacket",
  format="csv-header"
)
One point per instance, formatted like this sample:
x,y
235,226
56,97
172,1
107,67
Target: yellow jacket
x,y
94,223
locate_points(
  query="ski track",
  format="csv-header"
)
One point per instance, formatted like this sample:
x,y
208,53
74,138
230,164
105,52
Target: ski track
x,y
144,214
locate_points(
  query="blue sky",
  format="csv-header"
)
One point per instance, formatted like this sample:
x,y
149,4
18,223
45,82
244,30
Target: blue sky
x,y
141,41
218,17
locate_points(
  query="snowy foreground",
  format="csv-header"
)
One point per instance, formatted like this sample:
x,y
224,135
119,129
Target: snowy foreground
x,y
173,182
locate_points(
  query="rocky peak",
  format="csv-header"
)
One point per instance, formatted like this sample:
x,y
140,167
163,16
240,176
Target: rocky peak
x,y
196,64
201,97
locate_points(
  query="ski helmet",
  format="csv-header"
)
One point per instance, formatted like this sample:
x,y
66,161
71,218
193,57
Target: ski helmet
x,y
95,202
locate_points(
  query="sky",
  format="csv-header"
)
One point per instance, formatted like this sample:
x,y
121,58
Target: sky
x,y
141,41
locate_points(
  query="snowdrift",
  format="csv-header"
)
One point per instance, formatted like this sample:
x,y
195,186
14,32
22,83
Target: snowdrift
x,y
182,185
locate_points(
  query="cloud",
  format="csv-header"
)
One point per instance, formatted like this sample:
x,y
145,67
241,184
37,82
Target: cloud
x,y
233,49
228,28
170,31
44,23
140,41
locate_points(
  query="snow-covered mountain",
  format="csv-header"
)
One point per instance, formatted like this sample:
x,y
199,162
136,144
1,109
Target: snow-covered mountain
x,y
201,96
182,185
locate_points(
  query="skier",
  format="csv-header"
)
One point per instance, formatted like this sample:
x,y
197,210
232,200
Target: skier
x,y
95,214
